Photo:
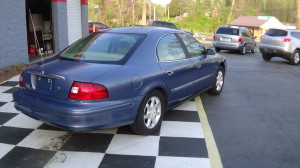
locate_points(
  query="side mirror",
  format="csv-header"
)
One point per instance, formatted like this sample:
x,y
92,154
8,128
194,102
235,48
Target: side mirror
x,y
210,51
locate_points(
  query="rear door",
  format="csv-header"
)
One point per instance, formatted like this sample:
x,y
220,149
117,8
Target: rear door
x,y
177,68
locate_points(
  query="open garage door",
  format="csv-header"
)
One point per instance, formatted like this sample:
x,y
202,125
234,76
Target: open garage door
x,y
74,20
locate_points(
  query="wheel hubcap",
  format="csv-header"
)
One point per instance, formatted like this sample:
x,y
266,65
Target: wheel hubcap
x,y
152,112
296,58
220,81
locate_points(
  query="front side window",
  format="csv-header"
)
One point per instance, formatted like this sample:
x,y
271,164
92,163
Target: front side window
x,y
169,49
102,47
194,48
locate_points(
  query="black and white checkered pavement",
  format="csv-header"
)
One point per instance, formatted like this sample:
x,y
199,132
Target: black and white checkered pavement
x,y
25,142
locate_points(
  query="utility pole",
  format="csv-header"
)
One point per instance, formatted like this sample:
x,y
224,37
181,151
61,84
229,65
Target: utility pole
x,y
132,11
154,12
297,2
168,13
144,12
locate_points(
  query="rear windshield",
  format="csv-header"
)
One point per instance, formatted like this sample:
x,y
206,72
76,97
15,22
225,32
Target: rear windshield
x,y
102,47
228,30
276,32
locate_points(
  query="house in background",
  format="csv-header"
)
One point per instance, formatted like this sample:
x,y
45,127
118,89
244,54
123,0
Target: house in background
x,y
57,24
258,24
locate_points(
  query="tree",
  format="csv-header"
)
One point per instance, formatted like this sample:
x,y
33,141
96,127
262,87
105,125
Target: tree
x,y
298,14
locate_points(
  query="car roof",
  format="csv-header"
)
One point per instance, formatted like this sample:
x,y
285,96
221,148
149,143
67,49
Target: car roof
x,y
284,29
148,30
234,27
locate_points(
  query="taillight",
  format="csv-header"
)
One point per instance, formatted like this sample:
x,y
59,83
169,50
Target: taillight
x,y
286,40
87,91
214,38
21,80
240,39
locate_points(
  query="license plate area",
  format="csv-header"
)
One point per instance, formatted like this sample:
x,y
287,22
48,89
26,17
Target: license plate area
x,y
44,83
225,39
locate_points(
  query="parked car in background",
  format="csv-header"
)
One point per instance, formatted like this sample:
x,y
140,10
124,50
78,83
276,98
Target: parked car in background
x,y
96,26
170,25
120,76
234,38
281,43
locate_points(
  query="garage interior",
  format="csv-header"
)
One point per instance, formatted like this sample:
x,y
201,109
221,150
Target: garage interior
x,y
39,28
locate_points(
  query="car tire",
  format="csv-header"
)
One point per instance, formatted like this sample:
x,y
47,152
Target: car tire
x,y
295,58
266,57
150,114
218,84
217,49
243,50
254,49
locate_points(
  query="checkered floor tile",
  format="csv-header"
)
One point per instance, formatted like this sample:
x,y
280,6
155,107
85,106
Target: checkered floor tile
x,y
25,142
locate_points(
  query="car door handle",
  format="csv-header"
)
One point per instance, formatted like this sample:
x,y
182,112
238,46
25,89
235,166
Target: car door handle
x,y
198,66
169,73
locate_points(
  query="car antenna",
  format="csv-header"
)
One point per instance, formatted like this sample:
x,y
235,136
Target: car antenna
x,y
36,41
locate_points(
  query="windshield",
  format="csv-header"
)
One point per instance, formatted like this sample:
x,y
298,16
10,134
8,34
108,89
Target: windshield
x,y
102,47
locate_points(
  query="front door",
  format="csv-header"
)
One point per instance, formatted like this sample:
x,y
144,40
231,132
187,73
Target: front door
x,y
178,69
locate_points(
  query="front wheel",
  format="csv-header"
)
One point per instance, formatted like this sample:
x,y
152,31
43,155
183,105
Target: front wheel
x,y
266,57
150,114
295,58
218,83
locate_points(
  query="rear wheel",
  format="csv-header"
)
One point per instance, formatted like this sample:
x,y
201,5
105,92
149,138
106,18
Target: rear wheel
x,y
218,83
266,57
150,114
243,50
217,49
295,58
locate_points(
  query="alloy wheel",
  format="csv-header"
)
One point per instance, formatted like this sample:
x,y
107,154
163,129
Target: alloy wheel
x,y
152,112
296,58
220,81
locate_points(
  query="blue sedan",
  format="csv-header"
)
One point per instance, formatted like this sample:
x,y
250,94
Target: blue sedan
x,y
119,76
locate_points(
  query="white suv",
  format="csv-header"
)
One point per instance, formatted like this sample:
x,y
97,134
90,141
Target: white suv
x,y
281,43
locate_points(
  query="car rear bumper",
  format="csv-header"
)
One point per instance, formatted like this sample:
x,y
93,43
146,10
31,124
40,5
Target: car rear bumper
x,y
228,46
77,116
276,52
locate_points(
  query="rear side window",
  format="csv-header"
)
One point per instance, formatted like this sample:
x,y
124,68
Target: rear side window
x,y
228,30
276,33
109,48
169,49
296,35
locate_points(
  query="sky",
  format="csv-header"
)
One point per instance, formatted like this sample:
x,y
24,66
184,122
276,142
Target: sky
x,y
162,2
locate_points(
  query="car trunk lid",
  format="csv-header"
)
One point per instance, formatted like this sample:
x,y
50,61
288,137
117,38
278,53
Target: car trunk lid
x,y
55,78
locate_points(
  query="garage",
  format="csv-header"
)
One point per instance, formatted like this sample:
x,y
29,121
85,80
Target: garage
x,y
29,25
39,27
